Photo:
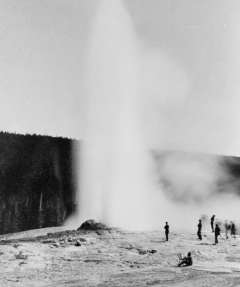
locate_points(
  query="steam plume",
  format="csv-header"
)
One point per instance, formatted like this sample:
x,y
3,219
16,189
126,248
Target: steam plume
x,y
140,99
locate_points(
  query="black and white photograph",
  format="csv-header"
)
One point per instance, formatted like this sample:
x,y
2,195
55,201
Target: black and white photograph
x,y
119,143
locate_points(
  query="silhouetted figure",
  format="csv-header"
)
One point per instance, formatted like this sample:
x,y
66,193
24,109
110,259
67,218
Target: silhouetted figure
x,y
217,233
199,232
212,222
233,230
227,227
186,261
166,227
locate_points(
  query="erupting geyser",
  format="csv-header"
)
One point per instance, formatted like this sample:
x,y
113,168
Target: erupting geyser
x,y
131,110
113,182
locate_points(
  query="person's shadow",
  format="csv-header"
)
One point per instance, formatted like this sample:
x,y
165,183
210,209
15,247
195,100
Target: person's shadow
x,y
206,244
159,241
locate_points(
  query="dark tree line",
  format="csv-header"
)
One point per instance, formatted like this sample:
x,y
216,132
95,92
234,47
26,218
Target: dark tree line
x,y
37,184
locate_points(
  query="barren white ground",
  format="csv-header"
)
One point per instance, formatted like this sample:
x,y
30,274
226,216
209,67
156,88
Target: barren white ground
x,y
115,258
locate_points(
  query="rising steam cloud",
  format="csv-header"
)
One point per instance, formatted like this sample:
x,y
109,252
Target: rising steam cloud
x,y
140,100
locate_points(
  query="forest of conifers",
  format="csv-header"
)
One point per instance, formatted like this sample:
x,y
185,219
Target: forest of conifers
x,y
37,186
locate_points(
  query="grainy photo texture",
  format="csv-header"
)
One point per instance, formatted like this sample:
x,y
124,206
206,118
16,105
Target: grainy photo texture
x,y
119,143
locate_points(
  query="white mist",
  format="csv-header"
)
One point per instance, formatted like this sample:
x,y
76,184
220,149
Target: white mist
x,y
113,182
136,100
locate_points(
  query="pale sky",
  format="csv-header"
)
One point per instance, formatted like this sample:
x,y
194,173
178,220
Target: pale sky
x,y
43,45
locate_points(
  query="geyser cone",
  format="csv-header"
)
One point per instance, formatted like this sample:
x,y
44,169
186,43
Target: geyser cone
x,y
113,159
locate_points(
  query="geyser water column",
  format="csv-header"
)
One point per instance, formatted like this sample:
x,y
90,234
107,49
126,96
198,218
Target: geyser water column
x,y
113,162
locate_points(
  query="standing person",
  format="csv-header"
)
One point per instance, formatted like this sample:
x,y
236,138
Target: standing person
x,y
212,222
217,233
199,232
166,227
233,230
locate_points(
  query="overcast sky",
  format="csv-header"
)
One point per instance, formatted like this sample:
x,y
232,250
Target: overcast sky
x,y
43,44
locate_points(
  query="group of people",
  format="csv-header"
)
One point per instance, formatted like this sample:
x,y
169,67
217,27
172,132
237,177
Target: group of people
x,y
229,228
216,230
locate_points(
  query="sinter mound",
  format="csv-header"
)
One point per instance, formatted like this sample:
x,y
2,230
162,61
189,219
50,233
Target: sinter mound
x,y
92,225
